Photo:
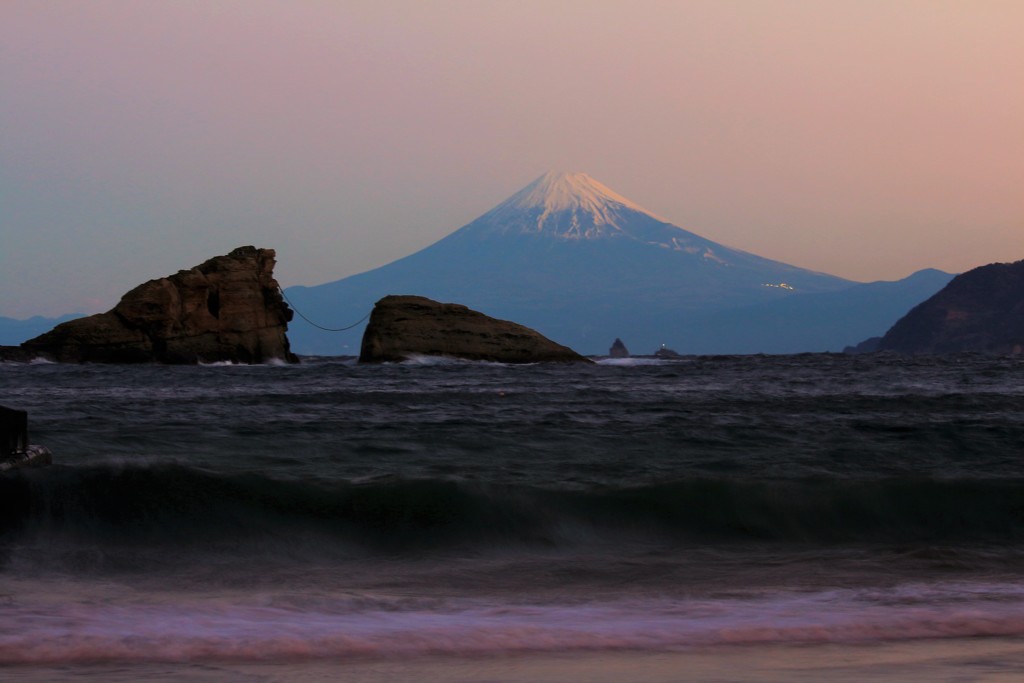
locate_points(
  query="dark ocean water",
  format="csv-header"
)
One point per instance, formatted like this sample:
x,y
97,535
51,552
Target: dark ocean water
x,y
330,510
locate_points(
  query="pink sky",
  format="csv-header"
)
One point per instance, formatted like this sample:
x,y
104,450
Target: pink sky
x,y
865,138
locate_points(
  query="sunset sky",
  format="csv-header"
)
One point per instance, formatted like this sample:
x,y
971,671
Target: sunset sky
x,y
864,138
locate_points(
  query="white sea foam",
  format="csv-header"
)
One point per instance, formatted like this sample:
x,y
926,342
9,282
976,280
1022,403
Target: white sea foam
x,y
270,362
632,361
422,359
160,629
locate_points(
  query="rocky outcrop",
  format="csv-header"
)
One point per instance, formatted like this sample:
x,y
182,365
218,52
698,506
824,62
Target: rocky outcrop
x,y
15,450
227,309
402,327
618,349
981,310
13,432
666,353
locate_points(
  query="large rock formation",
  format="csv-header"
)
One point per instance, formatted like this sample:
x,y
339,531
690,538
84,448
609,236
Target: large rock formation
x,y
981,310
227,309
406,326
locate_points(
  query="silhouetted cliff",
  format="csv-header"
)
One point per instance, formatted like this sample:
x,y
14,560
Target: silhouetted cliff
x,y
981,310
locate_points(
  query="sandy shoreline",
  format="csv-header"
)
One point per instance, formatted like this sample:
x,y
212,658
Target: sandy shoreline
x,y
975,659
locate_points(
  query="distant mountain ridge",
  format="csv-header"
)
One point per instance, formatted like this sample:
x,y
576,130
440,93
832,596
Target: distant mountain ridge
x,y
581,264
826,321
14,331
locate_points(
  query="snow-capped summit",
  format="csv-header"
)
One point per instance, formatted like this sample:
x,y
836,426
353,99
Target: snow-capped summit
x,y
566,205
573,207
561,191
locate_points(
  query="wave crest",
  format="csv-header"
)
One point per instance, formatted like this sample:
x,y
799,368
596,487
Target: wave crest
x,y
175,504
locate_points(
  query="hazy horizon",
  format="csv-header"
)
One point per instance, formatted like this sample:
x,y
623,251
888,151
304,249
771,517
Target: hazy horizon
x,y
866,140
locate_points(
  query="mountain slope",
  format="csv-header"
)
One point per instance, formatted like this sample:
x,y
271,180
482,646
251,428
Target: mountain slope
x,y
581,264
825,321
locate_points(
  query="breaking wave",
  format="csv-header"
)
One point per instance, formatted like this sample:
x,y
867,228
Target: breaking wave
x,y
180,505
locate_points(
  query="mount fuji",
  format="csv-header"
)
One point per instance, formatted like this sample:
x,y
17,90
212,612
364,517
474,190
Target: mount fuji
x,y
583,265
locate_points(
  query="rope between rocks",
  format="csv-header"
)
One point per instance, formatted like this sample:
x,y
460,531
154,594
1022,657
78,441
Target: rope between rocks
x,y
325,329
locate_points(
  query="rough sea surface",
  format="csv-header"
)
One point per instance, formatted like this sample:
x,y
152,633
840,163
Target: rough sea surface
x,y
258,522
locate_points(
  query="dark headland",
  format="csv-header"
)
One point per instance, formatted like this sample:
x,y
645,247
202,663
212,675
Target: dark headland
x,y
979,311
